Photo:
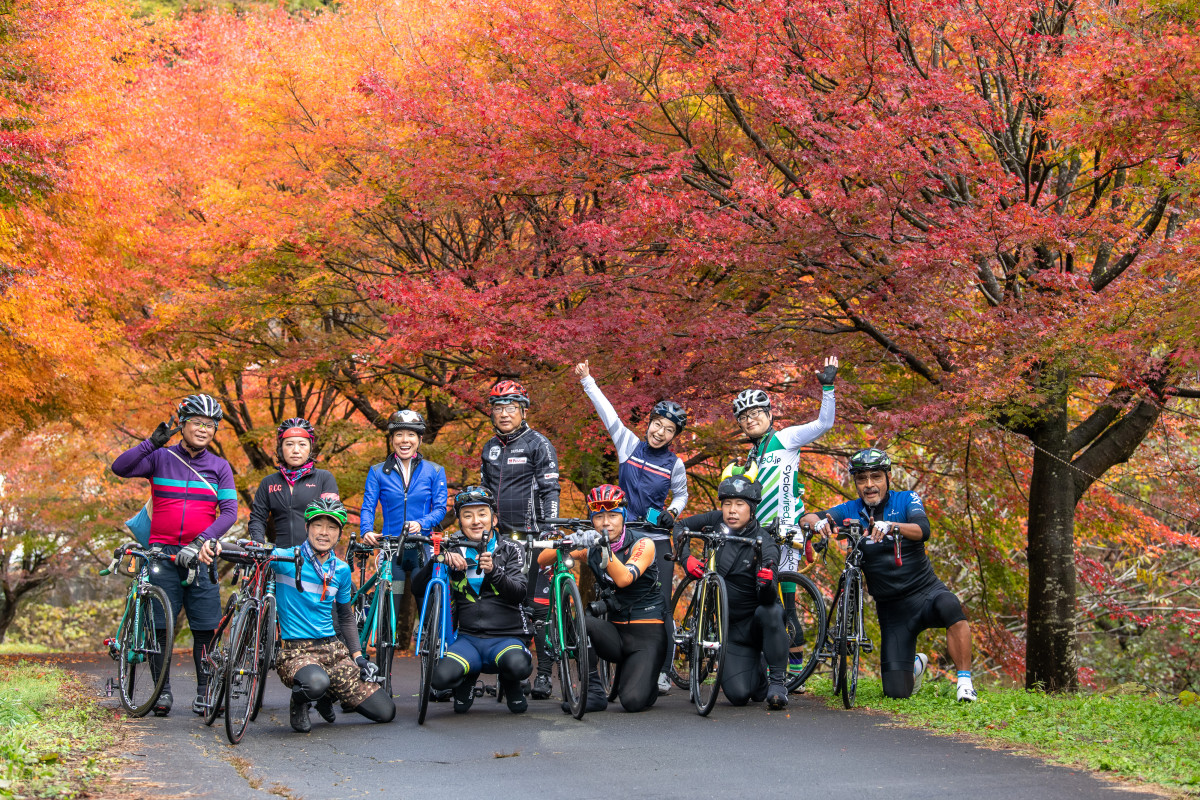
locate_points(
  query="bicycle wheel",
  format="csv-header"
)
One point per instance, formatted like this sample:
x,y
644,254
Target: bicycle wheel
x,y
683,611
139,649
385,633
806,628
572,648
708,646
850,650
215,659
427,651
833,639
267,638
241,673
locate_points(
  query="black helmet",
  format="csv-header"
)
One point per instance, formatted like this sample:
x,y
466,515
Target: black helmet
x,y
326,507
200,405
672,412
870,459
295,426
474,496
737,487
406,420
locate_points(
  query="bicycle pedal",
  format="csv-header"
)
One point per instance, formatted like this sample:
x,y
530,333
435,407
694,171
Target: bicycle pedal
x,y
867,647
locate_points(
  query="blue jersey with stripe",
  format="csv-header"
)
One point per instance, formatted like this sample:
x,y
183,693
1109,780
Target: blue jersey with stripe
x,y
308,614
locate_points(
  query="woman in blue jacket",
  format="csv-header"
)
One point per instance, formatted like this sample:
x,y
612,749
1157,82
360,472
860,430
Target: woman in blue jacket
x,y
410,490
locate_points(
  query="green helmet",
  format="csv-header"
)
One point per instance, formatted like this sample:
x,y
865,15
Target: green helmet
x,y
326,507
868,460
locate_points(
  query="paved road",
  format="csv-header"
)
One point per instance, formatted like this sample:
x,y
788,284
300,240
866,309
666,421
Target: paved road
x,y
807,751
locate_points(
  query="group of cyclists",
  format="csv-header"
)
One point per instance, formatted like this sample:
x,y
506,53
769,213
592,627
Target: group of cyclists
x,y
500,601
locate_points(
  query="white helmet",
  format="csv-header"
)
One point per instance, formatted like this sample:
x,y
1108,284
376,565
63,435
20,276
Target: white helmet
x,y
750,398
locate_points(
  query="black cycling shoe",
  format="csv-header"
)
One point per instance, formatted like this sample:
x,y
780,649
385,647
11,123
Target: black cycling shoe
x,y
162,706
541,687
299,709
198,706
324,707
777,693
464,696
517,703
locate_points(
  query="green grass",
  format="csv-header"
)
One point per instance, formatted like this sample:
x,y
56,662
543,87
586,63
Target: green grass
x,y
53,736
1126,733
11,648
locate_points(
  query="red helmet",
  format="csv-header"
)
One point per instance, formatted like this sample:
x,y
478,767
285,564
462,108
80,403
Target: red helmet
x,y
606,497
508,391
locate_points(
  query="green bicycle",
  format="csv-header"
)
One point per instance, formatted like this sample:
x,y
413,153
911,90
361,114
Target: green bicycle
x,y
565,630
141,658
374,604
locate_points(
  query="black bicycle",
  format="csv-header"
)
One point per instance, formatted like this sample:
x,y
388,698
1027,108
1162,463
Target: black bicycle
x,y
847,640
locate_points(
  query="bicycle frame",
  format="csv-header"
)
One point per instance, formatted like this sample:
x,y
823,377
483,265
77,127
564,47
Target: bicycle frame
x,y
383,601
136,590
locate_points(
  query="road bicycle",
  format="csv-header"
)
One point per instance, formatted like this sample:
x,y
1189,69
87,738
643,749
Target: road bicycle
x,y
243,647
373,602
136,649
846,640
806,628
435,628
565,630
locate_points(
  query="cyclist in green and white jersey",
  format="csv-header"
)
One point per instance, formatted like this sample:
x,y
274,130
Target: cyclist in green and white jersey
x,y
776,453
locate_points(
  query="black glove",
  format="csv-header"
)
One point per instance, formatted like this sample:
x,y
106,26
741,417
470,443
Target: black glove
x,y
828,375
188,556
666,520
165,430
367,669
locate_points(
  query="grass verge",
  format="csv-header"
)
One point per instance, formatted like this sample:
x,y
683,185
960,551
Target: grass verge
x,y
54,738
1127,733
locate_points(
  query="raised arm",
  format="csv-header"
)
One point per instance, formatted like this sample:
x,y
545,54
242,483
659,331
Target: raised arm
x,y
624,439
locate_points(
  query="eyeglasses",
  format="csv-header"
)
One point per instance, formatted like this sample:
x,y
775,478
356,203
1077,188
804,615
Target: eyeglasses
x,y
605,505
203,426
753,413
507,408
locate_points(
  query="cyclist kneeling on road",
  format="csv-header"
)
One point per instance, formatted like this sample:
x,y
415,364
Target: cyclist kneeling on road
x,y
487,588
314,662
633,638
756,625
909,598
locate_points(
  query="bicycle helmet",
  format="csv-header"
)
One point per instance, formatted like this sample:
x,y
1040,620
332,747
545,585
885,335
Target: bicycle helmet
x,y
508,391
738,487
606,497
326,507
295,426
474,496
751,398
406,420
870,459
200,405
672,412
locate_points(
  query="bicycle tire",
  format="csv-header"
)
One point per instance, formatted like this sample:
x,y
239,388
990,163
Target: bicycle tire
x,y
708,646
679,670
267,641
834,639
572,649
850,642
241,673
215,659
427,651
810,613
137,647
385,633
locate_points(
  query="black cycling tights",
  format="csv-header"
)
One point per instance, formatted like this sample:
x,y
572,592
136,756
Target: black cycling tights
x,y
637,649
512,668
752,636
202,639
312,681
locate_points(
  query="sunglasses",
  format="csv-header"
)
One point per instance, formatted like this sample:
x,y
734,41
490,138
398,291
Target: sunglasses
x,y
604,505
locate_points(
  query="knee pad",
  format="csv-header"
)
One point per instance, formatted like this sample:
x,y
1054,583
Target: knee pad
x,y
897,684
312,681
514,665
378,707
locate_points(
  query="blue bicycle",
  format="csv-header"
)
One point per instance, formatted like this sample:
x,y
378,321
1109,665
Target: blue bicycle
x,y
435,629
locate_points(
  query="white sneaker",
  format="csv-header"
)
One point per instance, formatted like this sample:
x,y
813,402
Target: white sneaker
x,y
664,684
920,664
966,693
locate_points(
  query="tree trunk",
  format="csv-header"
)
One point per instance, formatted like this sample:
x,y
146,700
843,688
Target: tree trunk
x,y
1050,657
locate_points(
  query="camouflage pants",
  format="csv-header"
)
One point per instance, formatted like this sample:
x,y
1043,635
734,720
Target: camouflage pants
x,y
334,658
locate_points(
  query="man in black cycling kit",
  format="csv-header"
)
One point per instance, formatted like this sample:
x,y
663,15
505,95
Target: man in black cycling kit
x,y
909,598
282,496
520,468
756,625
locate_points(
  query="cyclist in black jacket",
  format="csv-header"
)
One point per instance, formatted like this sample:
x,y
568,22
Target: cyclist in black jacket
x,y
487,587
282,496
520,468
756,626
